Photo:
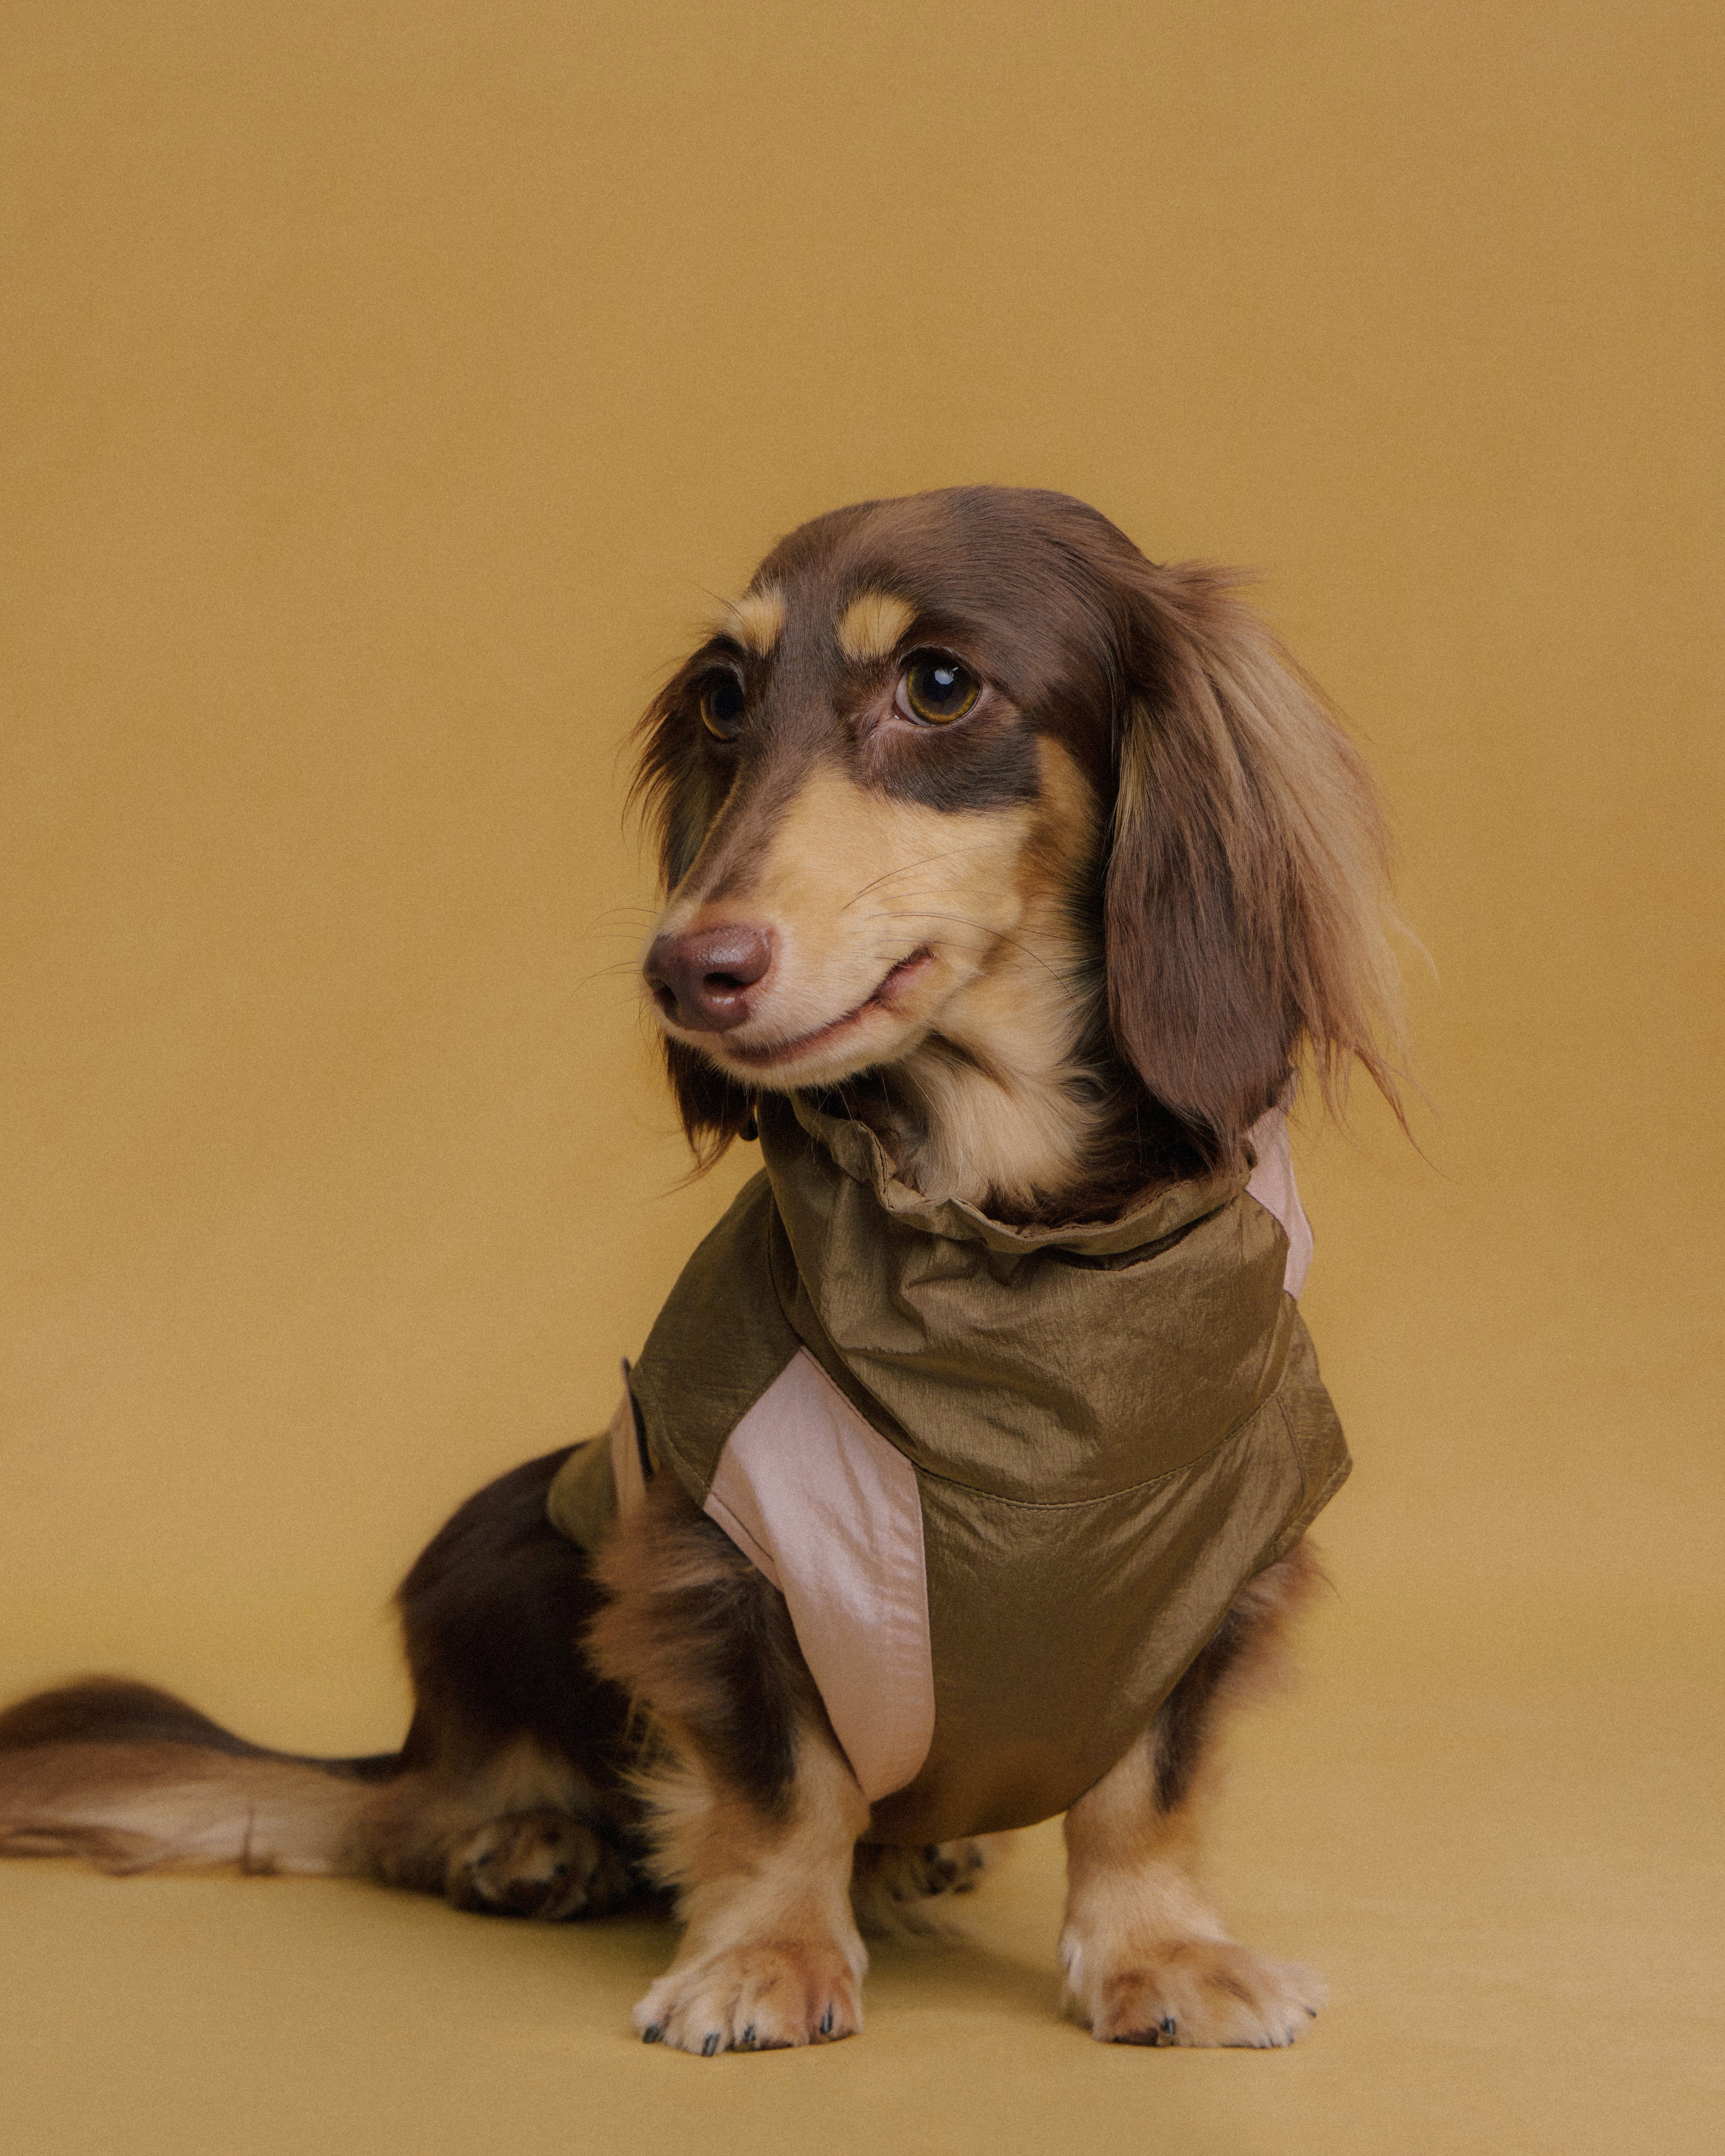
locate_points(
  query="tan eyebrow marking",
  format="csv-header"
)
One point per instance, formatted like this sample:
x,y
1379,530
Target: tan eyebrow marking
x,y
872,624
755,619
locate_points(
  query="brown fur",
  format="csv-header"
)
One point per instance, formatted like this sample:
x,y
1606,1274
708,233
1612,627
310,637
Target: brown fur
x,y
1065,947
692,1626
1237,924
1244,908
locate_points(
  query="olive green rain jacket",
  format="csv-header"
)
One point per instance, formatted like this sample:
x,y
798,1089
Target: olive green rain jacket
x,y
1008,1480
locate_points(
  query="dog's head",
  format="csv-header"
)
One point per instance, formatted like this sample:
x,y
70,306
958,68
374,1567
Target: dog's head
x,y
962,784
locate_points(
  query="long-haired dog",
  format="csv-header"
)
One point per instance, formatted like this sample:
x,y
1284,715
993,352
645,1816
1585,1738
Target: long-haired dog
x,y
1009,878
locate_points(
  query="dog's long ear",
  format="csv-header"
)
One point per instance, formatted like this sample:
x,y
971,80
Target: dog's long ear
x,y
1247,884
669,790
714,1109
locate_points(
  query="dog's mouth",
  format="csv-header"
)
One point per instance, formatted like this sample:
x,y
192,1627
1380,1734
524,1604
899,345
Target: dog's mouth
x,y
821,1040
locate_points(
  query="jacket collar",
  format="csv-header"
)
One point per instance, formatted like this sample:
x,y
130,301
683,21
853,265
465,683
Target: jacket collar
x,y
857,1152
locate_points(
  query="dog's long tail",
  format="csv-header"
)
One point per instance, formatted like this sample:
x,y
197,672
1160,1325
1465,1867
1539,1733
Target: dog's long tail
x,y
132,1777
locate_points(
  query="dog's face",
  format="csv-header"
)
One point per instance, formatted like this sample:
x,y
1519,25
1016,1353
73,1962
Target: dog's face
x,y
877,800
959,772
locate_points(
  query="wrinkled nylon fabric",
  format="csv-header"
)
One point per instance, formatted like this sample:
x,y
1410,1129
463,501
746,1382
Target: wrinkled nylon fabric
x,y
1112,1428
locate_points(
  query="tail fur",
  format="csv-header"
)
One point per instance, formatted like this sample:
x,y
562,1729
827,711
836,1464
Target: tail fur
x,y
132,1779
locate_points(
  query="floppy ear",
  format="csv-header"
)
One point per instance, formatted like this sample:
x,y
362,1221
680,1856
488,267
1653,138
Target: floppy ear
x,y
714,1109
669,789
671,792
1245,907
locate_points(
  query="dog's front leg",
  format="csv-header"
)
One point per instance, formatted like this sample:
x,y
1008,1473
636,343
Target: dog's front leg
x,y
1147,1960
771,1956
753,1810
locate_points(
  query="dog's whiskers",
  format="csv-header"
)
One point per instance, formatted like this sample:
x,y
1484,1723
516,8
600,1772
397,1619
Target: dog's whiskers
x,y
908,868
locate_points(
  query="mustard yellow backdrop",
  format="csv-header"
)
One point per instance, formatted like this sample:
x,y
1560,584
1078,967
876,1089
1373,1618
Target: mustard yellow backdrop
x,y
386,388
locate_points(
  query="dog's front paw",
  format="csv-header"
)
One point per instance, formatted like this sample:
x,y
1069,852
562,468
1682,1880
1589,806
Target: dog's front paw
x,y
542,1863
764,1995
1189,1991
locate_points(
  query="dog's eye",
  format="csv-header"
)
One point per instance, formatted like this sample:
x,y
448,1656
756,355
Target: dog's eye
x,y
721,706
937,690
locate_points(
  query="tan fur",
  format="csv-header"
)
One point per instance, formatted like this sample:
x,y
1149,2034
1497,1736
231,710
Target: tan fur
x,y
871,625
766,1885
131,1807
850,882
771,1956
756,620
444,1832
540,1862
1147,1959
145,1806
1004,1122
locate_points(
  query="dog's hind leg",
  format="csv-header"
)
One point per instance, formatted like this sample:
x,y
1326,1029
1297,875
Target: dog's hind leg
x,y
754,1811
507,1795
892,1886
1147,1960
521,1833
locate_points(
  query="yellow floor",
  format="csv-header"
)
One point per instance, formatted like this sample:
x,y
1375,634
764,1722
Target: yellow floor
x,y
1491,1829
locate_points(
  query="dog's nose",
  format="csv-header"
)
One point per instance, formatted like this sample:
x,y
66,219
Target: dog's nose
x,y
701,981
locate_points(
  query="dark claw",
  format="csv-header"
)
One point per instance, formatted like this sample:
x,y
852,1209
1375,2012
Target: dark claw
x,y
1312,2013
826,2023
1169,2025
711,2046
652,2033
748,2034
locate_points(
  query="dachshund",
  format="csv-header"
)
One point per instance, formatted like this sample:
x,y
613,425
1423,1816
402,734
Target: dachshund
x,y
1010,879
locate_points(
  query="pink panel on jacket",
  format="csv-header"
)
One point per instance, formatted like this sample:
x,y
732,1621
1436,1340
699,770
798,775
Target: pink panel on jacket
x,y
829,1511
1272,1183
